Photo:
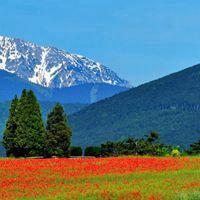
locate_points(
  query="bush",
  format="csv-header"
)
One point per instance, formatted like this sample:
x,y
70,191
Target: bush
x,y
76,151
93,151
164,151
195,148
175,153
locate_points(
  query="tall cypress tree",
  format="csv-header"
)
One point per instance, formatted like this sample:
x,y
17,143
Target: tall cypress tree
x,y
10,130
58,134
30,129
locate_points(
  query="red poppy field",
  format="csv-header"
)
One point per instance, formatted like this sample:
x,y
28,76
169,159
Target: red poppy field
x,y
100,178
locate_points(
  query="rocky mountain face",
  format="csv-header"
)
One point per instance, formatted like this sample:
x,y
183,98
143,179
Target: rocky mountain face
x,y
51,67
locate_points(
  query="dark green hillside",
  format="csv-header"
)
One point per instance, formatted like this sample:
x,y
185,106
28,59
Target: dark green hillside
x,y
169,105
70,108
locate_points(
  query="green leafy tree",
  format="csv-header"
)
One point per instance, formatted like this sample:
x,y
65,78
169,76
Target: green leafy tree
x,y
109,149
10,130
58,135
30,129
153,137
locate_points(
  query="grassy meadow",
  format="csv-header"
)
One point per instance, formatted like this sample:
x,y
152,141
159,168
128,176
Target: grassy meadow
x,y
122,178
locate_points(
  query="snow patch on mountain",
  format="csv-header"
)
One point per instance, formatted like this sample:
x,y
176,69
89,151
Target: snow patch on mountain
x,y
51,67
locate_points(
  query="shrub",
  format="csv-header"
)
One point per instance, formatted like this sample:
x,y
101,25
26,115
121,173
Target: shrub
x,y
76,151
164,151
93,151
195,148
175,153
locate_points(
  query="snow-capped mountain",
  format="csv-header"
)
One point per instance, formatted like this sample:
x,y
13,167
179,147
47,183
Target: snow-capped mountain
x,y
51,67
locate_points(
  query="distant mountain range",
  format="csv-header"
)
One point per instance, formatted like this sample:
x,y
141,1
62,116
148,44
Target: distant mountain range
x,y
54,75
10,85
169,105
51,67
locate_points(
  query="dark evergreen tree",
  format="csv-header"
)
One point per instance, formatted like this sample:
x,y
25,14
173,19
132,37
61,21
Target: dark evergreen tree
x,y
30,129
58,135
10,130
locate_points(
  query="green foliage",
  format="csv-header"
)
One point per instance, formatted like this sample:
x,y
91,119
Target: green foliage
x,y
25,134
58,135
24,131
75,151
131,146
30,129
10,130
175,153
152,137
46,108
164,150
93,151
195,148
109,149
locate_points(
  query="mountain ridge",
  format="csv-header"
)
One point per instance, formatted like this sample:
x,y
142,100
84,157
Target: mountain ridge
x,y
10,84
51,67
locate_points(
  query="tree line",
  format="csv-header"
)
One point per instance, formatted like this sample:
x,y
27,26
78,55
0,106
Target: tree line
x,y
148,145
26,135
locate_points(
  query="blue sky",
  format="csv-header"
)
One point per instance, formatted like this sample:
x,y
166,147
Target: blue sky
x,y
141,40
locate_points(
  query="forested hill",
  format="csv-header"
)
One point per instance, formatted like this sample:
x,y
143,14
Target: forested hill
x,y
169,105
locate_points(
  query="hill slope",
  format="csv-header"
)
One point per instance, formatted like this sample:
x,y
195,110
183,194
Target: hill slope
x,y
10,85
170,105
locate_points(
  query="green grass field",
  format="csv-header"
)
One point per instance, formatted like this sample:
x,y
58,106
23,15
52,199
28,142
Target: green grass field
x,y
138,178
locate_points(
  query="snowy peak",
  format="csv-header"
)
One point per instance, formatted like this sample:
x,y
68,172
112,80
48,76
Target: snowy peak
x,y
51,67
